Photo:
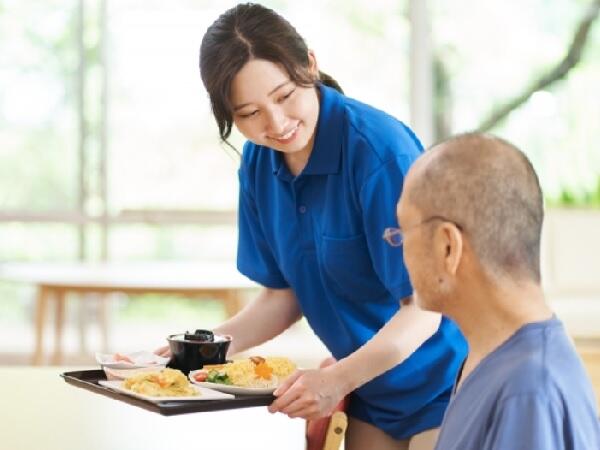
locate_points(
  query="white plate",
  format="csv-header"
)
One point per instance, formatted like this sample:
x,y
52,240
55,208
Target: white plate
x,y
140,359
205,394
229,388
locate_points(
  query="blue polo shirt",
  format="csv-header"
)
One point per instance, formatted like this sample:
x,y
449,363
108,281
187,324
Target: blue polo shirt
x,y
320,233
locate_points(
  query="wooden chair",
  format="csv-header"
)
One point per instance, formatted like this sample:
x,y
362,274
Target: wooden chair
x,y
328,433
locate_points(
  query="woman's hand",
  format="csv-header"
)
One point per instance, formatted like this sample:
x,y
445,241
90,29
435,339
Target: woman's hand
x,y
165,351
309,394
315,393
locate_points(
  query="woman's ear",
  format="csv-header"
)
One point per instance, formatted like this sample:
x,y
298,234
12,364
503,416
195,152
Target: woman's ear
x,y
313,67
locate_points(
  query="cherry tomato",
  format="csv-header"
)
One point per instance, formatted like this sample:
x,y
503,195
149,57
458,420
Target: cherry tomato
x,y
200,376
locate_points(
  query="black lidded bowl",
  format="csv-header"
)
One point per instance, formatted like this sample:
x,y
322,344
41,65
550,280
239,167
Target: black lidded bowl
x,y
191,351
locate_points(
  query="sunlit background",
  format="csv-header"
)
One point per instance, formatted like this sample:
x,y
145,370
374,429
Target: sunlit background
x,y
108,150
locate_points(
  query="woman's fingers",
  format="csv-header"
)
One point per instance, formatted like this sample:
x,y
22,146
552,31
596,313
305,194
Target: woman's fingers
x,y
287,383
165,351
304,411
312,394
286,394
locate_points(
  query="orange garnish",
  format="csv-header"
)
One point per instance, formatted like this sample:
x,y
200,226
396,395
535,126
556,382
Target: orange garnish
x,y
262,370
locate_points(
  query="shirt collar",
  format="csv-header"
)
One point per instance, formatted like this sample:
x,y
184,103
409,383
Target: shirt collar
x,y
327,146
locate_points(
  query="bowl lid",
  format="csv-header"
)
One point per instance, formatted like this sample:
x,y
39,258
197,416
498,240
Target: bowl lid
x,y
199,336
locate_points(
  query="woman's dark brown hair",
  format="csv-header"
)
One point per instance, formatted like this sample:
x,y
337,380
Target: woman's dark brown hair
x,y
245,32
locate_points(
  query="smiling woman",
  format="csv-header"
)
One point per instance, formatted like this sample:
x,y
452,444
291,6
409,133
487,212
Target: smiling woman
x,y
282,118
319,180
161,152
261,76
153,103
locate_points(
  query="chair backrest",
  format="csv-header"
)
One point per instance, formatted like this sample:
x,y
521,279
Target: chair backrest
x,y
336,431
327,433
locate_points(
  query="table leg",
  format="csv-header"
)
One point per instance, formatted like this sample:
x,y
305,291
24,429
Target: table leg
x,y
233,302
59,318
103,313
41,308
82,308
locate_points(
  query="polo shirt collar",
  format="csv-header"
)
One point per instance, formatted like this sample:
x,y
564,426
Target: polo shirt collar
x,y
327,146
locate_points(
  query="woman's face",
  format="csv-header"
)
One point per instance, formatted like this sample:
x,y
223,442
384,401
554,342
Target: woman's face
x,y
271,110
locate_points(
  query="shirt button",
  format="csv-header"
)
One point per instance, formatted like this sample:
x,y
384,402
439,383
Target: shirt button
x,y
302,209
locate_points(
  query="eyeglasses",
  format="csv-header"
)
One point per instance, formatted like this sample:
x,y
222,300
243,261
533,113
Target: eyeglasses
x,y
395,236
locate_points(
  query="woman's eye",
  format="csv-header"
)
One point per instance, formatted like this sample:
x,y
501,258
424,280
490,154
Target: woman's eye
x,y
286,96
250,114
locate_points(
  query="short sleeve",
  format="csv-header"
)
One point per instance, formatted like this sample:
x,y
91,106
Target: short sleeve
x,y
378,198
255,257
525,422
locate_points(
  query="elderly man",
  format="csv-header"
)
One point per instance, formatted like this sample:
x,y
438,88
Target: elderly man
x,y
470,222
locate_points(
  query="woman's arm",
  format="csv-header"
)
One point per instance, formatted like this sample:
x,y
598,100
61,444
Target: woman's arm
x,y
404,333
314,393
271,313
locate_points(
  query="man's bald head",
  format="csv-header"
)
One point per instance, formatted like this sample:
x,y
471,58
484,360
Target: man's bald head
x,y
488,187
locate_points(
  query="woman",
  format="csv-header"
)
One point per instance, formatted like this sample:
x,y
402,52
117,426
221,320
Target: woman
x,y
319,180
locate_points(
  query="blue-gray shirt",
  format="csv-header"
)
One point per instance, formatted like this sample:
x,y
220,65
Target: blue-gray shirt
x,y
531,393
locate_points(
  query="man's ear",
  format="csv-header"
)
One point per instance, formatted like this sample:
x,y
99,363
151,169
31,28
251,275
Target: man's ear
x,y
313,67
451,240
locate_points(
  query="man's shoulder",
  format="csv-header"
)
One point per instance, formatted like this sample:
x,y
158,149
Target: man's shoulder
x,y
535,377
532,362
538,363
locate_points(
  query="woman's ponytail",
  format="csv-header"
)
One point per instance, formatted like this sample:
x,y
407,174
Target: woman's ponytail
x,y
328,80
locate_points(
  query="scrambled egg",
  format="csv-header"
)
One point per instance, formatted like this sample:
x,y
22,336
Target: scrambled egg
x,y
255,372
166,383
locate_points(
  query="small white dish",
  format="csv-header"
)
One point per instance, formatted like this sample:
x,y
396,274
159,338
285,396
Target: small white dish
x,y
205,394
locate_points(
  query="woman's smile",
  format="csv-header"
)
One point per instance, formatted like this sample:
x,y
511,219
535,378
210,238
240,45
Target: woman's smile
x,y
288,136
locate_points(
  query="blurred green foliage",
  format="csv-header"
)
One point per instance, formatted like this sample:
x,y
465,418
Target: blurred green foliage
x,y
162,155
571,198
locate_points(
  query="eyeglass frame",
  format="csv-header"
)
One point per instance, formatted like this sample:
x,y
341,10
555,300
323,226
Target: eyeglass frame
x,y
390,232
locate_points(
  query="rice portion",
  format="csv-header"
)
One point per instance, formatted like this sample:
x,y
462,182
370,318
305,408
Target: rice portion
x,y
243,373
166,383
282,367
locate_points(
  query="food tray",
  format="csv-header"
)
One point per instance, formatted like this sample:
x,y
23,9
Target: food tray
x,y
88,379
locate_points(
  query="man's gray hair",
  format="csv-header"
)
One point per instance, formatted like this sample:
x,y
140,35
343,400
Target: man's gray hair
x,y
489,187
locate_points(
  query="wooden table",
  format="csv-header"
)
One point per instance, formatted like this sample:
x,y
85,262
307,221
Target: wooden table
x,y
41,411
55,281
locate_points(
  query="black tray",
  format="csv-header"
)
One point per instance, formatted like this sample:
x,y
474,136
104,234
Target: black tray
x,y
88,379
